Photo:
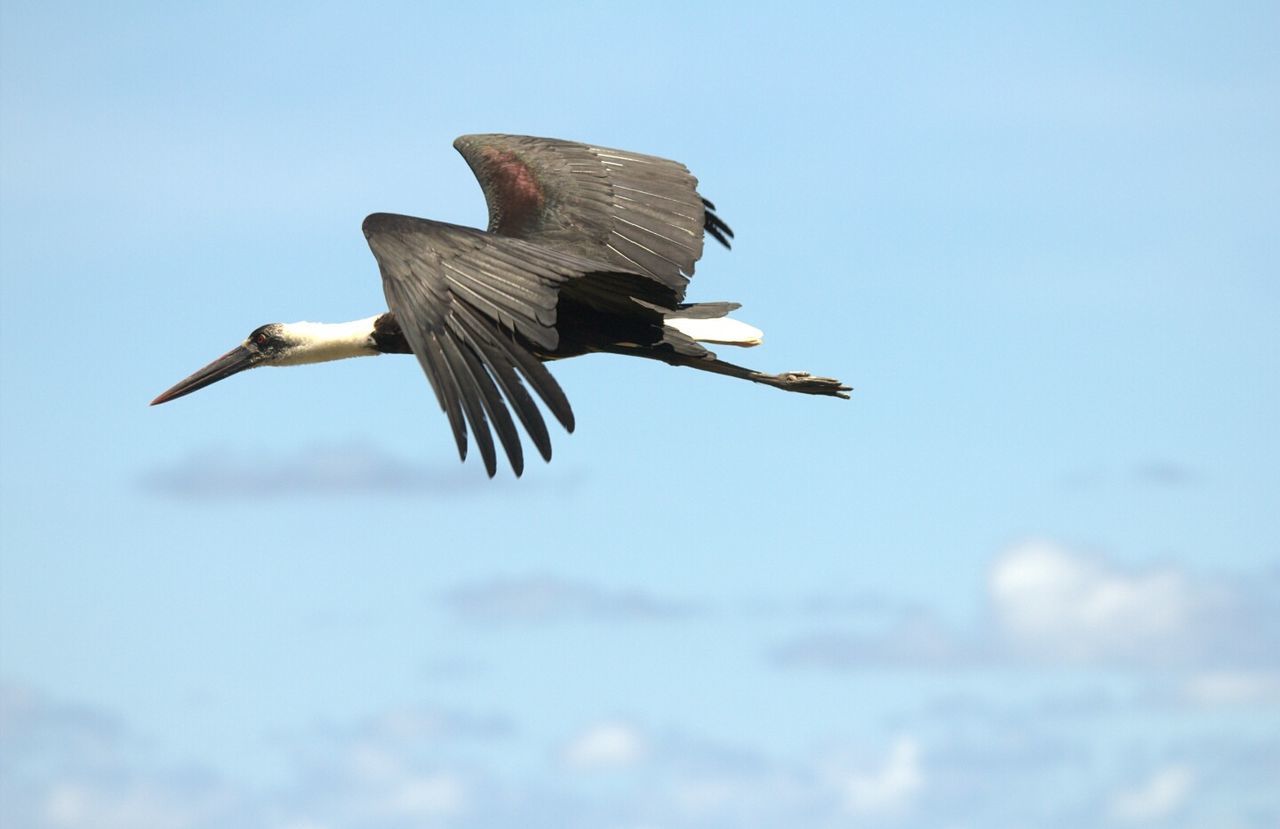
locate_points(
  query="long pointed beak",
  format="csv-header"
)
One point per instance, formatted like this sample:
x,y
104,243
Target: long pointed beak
x,y
233,362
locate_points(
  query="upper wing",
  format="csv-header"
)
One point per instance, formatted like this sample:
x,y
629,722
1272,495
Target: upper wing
x,y
468,302
638,213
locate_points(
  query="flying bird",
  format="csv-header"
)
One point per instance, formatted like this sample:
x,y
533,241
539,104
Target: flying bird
x,y
588,249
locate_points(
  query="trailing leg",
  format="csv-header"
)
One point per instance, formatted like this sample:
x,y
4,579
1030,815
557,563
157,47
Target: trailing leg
x,y
694,356
797,381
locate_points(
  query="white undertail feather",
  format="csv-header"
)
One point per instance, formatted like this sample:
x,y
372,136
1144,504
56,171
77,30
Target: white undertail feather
x,y
721,330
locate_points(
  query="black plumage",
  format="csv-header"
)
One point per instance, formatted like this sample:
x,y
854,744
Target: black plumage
x,y
587,249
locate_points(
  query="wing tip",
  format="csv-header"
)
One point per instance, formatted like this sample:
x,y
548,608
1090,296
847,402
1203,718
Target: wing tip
x,y
470,139
384,224
377,223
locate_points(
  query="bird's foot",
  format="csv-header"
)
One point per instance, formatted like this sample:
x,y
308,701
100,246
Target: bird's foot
x,y
805,383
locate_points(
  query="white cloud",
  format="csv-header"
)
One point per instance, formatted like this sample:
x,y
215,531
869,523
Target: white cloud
x,y
762,796
888,789
1156,798
328,469
427,796
917,640
67,767
387,781
606,745
1233,688
423,768
540,599
1054,604
72,805
1049,605
323,469
705,796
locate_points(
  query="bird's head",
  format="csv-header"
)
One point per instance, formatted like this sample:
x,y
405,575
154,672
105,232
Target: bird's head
x,y
282,344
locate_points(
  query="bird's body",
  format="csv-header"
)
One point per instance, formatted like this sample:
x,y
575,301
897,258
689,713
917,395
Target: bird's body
x,y
588,250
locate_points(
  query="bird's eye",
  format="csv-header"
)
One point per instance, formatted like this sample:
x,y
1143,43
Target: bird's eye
x,y
260,339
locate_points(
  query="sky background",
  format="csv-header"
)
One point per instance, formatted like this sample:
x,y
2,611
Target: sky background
x,y
1028,576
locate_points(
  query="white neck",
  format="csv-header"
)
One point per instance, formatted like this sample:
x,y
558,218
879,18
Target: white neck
x,y
319,342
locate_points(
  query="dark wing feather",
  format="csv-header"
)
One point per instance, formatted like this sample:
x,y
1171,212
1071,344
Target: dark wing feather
x,y
471,306
636,212
501,364
716,226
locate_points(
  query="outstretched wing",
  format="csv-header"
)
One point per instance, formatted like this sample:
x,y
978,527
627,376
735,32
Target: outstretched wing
x,y
472,306
639,213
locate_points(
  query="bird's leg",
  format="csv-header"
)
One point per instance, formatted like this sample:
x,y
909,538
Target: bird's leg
x,y
803,382
797,381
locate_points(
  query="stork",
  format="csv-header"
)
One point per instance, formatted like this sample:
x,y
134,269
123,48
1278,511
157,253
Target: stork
x,y
588,249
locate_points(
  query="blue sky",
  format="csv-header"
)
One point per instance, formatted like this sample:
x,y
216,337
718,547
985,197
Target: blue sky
x,y
1028,575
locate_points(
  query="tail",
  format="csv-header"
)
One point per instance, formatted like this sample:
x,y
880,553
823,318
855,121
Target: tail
x,y
708,322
